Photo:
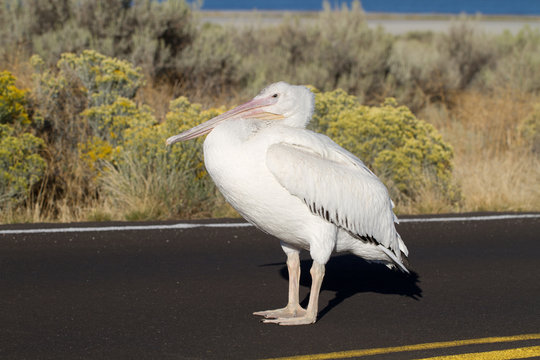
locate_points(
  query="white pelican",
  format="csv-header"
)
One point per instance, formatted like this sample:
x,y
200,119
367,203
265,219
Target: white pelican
x,y
299,186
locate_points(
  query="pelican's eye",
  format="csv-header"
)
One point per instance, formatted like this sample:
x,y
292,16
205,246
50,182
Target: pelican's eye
x,y
275,95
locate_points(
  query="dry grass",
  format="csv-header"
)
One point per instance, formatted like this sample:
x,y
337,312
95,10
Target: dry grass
x,y
17,64
429,201
494,168
504,182
489,121
157,96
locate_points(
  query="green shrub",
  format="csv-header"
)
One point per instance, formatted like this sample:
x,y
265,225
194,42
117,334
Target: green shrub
x,y
73,101
151,180
332,49
119,147
82,110
109,125
21,166
518,60
211,65
417,72
350,54
12,101
529,129
82,82
408,154
109,122
466,52
150,33
336,49
104,78
431,67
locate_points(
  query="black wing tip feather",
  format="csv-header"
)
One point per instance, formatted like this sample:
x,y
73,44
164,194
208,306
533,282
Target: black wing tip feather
x,y
402,265
405,263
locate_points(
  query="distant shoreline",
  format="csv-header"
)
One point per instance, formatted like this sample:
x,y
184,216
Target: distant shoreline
x,y
375,15
392,23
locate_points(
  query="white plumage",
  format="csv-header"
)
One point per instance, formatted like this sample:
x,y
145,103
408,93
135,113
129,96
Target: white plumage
x,y
299,186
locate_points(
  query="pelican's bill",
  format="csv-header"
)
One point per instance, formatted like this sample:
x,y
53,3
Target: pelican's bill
x,y
267,116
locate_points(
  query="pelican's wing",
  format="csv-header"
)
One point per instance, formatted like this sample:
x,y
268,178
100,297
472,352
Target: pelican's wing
x,y
337,186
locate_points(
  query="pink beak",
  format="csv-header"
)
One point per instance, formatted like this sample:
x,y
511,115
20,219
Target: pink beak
x,y
250,110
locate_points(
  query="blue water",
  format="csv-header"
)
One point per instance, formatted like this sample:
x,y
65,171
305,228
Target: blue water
x,y
514,7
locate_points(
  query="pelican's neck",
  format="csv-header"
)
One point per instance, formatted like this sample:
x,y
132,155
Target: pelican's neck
x,y
234,131
297,121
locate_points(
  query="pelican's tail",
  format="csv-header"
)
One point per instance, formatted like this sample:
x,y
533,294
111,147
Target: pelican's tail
x,y
401,264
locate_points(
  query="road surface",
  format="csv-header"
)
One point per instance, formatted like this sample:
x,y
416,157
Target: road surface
x,y
167,291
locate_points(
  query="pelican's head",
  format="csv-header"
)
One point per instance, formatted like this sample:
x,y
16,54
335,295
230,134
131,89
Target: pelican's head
x,y
291,105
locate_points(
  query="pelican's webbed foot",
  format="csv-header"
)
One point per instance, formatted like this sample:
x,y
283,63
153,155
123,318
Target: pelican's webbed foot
x,y
290,311
307,318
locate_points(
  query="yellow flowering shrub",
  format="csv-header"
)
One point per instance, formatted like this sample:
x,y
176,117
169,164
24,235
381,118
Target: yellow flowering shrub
x,y
121,145
20,164
12,101
110,121
89,90
59,100
408,154
147,142
95,151
182,116
151,179
104,78
86,105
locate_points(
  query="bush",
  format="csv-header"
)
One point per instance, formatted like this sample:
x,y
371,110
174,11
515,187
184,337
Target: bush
x,y
466,52
21,166
109,122
150,33
12,102
529,129
105,146
152,181
417,73
337,49
430,68
332,49
518,60
211,65
104,78
408,154
351,55
83,108
88,80
73,102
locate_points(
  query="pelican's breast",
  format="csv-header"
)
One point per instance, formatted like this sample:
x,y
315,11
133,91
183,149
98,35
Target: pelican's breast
x,y
237,164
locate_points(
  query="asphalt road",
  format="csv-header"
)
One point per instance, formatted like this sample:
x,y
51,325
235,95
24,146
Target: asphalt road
x,y
189,293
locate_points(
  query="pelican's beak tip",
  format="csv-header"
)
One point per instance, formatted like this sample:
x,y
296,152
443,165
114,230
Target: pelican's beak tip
x,y
170,141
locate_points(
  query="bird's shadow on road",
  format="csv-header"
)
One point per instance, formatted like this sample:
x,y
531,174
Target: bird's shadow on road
x,y
348,275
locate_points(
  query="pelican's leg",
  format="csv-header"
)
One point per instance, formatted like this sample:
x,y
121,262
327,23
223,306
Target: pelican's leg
x,y
310,316
293,307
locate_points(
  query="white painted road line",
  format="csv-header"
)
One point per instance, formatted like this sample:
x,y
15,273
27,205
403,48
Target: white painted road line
x,y
472,218
122,228
240,225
